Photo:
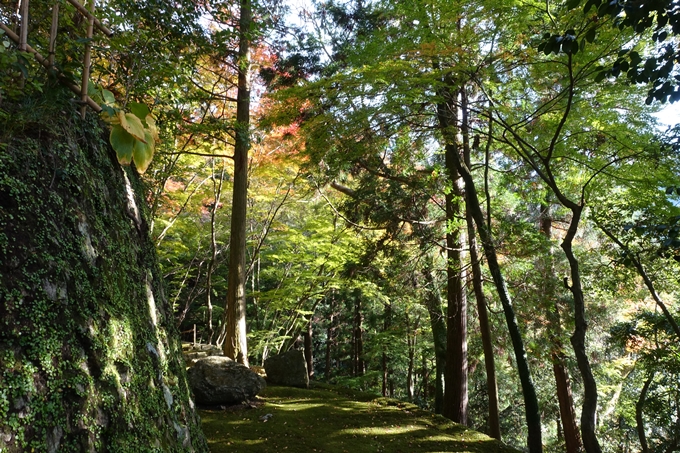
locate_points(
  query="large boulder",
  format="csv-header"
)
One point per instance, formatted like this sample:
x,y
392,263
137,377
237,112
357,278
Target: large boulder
x,y
219,380
289,368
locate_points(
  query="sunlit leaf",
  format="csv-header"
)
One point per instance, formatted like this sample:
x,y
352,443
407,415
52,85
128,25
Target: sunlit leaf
x,y
132,124
108,96
143,153
123,143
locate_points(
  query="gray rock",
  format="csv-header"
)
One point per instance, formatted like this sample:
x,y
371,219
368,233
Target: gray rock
x,y
219,380
289,368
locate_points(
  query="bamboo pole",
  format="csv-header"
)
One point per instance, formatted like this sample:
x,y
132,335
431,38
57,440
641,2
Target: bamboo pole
x,y
23,38
53,33
43,61
90,16
87,59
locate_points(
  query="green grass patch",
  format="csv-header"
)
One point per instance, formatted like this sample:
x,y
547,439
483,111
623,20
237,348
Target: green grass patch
x,y
330,421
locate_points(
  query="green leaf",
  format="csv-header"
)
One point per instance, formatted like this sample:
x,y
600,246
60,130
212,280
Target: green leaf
x,y
108,96
567,47
590,34
590,4
132,124
123,143
139,110
108,110
143,153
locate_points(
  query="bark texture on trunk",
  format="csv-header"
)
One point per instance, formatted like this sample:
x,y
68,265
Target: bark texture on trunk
x,y
438,323
578,339
572,438
387,323
235,343
330,338
455,391
309,357
532,411
485,331
358,347
477,285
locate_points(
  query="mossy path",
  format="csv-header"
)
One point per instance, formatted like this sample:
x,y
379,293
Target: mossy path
x,y
322,420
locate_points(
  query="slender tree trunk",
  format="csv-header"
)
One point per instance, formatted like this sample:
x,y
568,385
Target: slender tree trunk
x,y
637,263
438,323
359,367
425,377
411,332
235,345
578,338
330,337
572,438
485,329
309,358
387,323
532,411
217,192
639,421
329,348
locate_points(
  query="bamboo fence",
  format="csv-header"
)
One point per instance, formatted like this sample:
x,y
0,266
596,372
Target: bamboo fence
x,y
21,39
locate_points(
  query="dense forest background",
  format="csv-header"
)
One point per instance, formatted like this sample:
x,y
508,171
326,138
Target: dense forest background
x,y
469,205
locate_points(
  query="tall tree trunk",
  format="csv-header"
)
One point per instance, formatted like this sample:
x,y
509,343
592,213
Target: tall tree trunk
x,y
217,193
532,411
578,338
309,357
411,332
425,377
639,421
485,329
359,367
438,323
235,345
387,323
330,337
455,392
565,399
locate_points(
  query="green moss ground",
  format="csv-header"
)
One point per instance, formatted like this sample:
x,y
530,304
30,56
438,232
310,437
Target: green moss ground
x,y
324,420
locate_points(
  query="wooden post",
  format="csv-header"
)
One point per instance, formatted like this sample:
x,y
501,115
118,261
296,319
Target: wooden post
x,y
85,83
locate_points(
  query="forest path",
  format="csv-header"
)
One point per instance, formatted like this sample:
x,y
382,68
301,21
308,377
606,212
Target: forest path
x,y
326,421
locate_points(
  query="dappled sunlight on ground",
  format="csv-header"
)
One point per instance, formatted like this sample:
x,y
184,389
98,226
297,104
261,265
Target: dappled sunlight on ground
x,y
300,420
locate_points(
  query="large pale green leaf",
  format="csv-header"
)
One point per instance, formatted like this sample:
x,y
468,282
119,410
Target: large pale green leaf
x,y
123,143
143,153
132,124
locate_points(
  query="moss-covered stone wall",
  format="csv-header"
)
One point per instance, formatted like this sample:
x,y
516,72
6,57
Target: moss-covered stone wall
x,y
90,359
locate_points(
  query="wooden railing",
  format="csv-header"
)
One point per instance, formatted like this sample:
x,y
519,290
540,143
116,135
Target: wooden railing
x,y
21,40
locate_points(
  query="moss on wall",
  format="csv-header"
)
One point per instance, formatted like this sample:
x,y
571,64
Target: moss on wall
x,y
90,359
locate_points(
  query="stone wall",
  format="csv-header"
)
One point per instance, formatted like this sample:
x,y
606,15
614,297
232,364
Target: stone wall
x,y
90,359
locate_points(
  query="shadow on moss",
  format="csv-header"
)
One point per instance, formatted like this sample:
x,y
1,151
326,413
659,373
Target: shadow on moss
x,y
333,421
